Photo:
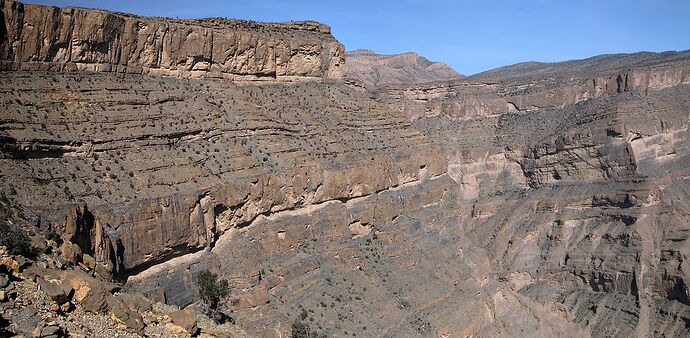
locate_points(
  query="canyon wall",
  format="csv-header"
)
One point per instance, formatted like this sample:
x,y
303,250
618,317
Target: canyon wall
x,y
575,188
86,153
34,37
478,97
546,205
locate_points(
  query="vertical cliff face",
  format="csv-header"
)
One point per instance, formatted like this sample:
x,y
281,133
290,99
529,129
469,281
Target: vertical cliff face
x,y
556,86
37,37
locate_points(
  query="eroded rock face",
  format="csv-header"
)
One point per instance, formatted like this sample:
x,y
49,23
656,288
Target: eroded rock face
x,y
484,95
50,38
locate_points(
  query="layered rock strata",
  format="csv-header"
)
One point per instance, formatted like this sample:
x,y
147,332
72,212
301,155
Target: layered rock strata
x,y
36,37
137,170
561,208
480,96
579,202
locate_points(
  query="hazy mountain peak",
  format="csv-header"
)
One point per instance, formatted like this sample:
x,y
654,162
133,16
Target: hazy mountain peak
x,y
377,69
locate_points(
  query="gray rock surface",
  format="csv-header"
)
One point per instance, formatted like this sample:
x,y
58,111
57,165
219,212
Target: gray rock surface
x,y
577,201
55,290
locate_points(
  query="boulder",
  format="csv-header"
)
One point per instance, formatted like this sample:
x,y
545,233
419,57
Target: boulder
x,y
52,331
71,252
55,290
185,319
4,280
123,314
89,261
26,321
95,301
89,292
102,270
39,243
9,264
136,302
35,271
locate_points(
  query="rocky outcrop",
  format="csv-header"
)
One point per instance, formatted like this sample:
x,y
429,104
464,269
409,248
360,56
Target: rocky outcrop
x,y
38,37
366,68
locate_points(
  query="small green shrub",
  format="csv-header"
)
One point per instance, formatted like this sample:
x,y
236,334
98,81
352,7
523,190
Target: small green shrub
x,y
212,290
303,330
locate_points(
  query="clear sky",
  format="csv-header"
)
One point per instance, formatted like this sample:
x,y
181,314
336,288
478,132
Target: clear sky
x,y
471,36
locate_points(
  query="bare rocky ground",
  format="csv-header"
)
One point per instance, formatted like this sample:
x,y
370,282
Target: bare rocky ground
x,y
37,309
528,201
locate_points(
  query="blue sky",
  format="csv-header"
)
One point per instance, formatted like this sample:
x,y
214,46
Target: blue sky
x,y
471,36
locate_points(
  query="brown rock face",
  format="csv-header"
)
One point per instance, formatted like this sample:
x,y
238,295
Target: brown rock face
x,y
50,38
236,152
370,69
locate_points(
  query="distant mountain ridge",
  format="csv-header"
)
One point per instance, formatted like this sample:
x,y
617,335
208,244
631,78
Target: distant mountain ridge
x,y
376,69
588,66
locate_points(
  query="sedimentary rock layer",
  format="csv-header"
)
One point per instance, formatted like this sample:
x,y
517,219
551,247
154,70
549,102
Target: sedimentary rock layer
x,y
522,205
37,37
164,165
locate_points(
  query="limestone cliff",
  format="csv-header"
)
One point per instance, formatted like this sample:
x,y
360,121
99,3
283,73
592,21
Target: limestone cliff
x,y
35,37
491,94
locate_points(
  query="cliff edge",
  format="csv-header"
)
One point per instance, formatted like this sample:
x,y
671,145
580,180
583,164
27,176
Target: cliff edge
x,y
36,37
